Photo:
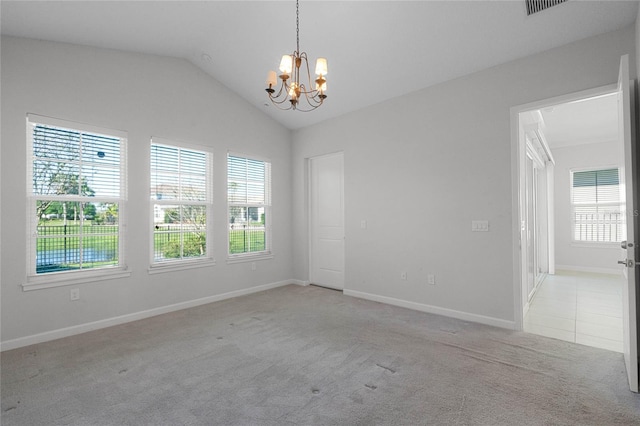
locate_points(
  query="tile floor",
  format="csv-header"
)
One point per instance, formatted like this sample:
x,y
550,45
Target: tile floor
x,y
578,307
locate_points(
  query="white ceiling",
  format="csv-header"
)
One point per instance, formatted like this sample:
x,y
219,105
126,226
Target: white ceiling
x,y
376,49
584,122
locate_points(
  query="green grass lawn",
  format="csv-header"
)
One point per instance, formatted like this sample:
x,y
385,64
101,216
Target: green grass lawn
x,y
55,237
244,241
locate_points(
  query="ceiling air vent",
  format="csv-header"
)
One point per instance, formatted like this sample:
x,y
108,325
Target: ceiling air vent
x,y
535,6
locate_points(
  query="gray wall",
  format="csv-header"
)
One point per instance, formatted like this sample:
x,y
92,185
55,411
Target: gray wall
x,y
418,168
571,255
145,96
421,167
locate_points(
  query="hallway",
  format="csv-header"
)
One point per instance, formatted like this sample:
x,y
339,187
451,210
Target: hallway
x,y
578,307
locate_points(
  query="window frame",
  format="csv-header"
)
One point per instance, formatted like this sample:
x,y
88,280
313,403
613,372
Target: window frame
x,y
267,253
35,281
184,263
620,203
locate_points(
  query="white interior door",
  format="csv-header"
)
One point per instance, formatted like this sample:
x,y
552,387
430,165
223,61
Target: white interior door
x,y
326,260
630,338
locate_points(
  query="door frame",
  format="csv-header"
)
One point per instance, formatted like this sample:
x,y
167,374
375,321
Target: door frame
x,y
537,164
309,208
518,169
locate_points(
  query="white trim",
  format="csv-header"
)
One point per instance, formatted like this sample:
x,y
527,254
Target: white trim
x,y
466,316
89,128
267,206
533,154
609,89
518,154
596,244
249,257
35,281
573,205
61,279
302,283
184,263
109,322
551,221
611,271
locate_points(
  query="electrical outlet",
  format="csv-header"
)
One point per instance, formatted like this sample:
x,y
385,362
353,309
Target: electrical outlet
x,y
74,294
403,275
431,279
363,224
253,266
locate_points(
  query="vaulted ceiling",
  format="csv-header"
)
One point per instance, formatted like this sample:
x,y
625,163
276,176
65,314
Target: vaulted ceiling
x,y
376,49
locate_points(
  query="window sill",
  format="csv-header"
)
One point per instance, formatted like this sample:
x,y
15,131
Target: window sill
x,y
242,258
587,244
60,279
160,268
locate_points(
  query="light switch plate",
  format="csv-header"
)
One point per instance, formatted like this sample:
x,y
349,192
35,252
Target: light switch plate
x,y
480,225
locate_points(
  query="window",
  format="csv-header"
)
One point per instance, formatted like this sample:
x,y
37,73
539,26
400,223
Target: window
x,y
597,210
181,203
248,194
76,197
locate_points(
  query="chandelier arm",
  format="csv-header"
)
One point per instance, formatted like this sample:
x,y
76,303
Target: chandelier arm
x,y
277,99
278,105
313,100
278,102
312,107
272,96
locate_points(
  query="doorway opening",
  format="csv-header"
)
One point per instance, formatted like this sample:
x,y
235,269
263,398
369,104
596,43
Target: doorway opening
x,y
580,180
573,226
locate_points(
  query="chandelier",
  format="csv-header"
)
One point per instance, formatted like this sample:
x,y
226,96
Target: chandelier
x,y
293,92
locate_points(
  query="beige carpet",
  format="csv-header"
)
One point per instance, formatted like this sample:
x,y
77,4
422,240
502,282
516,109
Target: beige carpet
x,y
311,356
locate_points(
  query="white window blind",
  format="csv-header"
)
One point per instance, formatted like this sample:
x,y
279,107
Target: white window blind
x,y
181,202
597,210
249,200
77,192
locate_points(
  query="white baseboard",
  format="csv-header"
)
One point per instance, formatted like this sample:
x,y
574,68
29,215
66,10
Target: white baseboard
x,y
109,322
611,271
466,316
300,282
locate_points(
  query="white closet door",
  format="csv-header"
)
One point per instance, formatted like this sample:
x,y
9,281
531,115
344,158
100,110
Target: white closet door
x,y
326,260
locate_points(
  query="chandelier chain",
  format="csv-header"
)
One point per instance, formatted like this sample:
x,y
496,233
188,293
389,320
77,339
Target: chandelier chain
x,y
297,25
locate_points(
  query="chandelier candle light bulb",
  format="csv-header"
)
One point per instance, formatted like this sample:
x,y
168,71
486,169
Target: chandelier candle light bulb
x,y
286,65
296,89
321,66
271,79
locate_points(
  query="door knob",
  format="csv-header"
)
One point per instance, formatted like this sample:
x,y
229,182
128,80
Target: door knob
x,y
623,244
